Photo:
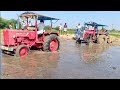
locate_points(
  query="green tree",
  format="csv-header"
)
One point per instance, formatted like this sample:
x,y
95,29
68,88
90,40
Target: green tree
x,y
13,22
113,29
103,28
57,28
47,27
5,23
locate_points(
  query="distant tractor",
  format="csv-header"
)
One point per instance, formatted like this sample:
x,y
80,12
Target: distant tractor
x,y
90,33
19,42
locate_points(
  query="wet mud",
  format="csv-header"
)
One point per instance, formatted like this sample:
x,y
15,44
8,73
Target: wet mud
x,y
73,61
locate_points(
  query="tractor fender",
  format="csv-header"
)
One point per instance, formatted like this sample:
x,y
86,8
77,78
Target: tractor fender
x,y
49,33
54,33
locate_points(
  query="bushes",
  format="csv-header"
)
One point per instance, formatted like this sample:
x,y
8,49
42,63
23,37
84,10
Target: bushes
x,y
5,23
47,27
71,31
57,28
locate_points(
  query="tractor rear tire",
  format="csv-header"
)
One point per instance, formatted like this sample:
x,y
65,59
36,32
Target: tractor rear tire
x,y
109,39
22,50
102,39
51,43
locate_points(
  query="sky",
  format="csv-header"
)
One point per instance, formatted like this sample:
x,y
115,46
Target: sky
x,y
72,18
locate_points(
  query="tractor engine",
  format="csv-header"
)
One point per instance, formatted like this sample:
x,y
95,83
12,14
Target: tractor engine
x,y
17,37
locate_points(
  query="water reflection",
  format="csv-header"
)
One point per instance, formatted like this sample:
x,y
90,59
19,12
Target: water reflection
x,y
35,65
92,53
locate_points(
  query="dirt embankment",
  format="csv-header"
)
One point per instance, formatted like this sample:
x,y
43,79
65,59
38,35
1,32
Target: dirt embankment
x,y
68,37
115,40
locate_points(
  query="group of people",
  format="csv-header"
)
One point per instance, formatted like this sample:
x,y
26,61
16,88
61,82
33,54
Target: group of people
x,y
61,28
65,27
41,26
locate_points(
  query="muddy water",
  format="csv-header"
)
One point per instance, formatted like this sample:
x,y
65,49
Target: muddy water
x,y
71,62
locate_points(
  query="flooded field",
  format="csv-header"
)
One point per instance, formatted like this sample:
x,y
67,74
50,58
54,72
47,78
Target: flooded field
x,y
71,62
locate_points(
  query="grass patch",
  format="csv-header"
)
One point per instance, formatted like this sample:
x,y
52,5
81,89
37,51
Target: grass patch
x,y
1,30
116,35
70,31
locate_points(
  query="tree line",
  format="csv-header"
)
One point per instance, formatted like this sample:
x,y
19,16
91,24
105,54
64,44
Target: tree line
x,y
4,23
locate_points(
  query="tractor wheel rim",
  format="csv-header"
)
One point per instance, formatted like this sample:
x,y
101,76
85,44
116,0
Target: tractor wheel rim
x,y
53,45
23,52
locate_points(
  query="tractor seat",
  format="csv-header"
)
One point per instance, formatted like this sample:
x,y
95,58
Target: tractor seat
x,y
31,28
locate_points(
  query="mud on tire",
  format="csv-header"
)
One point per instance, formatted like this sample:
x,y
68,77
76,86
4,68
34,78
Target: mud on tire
x,y
102,39
19,53
47,43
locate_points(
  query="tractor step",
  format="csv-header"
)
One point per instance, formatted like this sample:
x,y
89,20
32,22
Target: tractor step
x,y
39,42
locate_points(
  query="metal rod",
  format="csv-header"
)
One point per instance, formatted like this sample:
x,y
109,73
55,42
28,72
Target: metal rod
x,y
51,26
27,23
18,22
36,28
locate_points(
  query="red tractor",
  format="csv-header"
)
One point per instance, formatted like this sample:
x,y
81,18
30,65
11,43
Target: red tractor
x,y
90,33
19,41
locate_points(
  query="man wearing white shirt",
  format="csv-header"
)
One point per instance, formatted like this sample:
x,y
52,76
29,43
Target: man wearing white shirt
x,y
41,27
79,26
60,29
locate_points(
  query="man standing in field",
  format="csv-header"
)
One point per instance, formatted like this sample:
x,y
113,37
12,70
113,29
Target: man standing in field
x,y
65,28
108,36
78,31
60,29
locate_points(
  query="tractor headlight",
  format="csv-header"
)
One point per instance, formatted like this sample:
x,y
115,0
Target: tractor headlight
x,y
14,36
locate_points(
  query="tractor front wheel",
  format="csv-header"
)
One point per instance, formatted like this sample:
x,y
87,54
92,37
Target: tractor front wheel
x,y
51,43
89,39
22,50
78,41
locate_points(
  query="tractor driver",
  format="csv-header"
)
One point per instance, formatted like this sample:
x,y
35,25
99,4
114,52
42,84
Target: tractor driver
x,y
41,27
96,28
23,25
